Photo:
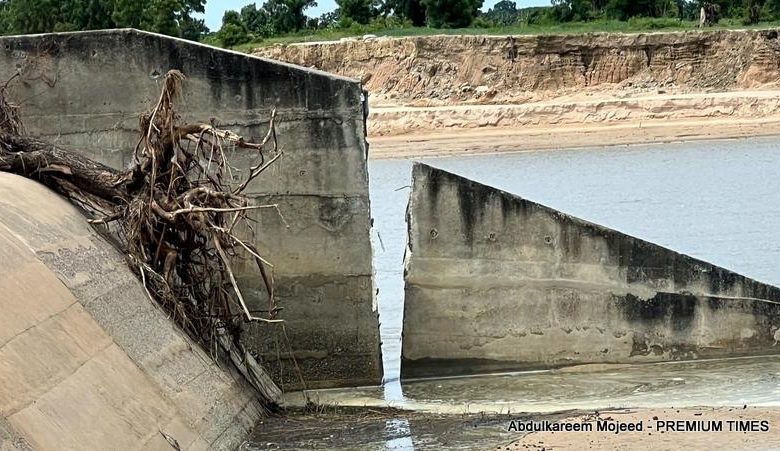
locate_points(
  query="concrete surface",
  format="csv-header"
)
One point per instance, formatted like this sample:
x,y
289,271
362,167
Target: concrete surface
x,y
87,361
85,91
496,282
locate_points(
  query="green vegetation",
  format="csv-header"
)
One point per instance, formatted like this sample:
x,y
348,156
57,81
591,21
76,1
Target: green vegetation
x,y
609,26
285,21
171,17
423,17
451,13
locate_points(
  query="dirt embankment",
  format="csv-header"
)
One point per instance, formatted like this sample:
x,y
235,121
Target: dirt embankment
x,y
499,85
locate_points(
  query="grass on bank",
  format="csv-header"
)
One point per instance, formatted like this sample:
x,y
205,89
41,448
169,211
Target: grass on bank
x,y
611,26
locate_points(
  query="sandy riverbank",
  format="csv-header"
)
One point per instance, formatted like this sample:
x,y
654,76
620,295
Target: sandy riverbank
x,y
473,142
585,120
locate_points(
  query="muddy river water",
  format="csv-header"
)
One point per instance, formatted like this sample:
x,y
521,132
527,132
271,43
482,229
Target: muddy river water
x,y
718,201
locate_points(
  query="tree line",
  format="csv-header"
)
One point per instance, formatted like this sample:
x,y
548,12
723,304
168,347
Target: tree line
x,y
281,17
171,17
750,11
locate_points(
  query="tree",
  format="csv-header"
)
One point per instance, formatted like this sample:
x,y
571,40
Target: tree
x,y
5,25
503,13
451,13
728,8
167,16
257,21
288,15
752,11
233,31
626,9
160,16
329,20
360,11
128,13
232,18
86,14
32,16
172,17
574,10
192,29
771,9
758,10
412,10
688,10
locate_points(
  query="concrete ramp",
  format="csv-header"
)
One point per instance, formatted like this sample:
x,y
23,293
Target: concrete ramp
x,y
87,361
495,282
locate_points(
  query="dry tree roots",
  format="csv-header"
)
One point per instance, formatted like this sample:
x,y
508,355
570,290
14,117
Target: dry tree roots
x,y
174,214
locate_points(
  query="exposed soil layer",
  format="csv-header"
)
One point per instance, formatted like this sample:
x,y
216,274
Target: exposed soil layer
x,y
444,89
589,110
447,70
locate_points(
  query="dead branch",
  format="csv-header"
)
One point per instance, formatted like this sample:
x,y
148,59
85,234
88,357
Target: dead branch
x,y
173,214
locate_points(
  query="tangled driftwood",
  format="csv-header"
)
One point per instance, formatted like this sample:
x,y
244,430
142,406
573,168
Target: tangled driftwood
x,y
174,214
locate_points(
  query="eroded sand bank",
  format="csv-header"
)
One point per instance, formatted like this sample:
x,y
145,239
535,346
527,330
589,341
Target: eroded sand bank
x,y
476,141
590,120
437,95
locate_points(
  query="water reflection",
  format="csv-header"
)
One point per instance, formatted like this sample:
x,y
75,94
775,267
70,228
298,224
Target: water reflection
x,y
393,392
399,435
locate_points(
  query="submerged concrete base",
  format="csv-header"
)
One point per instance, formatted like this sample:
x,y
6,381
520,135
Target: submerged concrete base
x,y
495,282
87,361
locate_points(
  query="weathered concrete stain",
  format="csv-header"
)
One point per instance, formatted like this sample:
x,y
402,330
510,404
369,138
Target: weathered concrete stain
x,y
497,282
85,91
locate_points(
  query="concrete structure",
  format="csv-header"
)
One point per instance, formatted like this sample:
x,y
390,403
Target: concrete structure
x,y
86,90
496,282
87,361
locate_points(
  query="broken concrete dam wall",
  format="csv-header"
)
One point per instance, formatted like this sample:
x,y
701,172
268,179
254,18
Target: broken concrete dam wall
x,y
85,91
87,360
495,282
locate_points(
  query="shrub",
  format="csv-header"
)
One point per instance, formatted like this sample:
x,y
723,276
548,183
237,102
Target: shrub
x,y
652,23
232,34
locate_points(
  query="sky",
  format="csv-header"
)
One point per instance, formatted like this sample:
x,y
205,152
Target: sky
x,y
216,8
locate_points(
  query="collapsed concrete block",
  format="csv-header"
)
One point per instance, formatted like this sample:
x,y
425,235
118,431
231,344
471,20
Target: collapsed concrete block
x,y
85,91
496,282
